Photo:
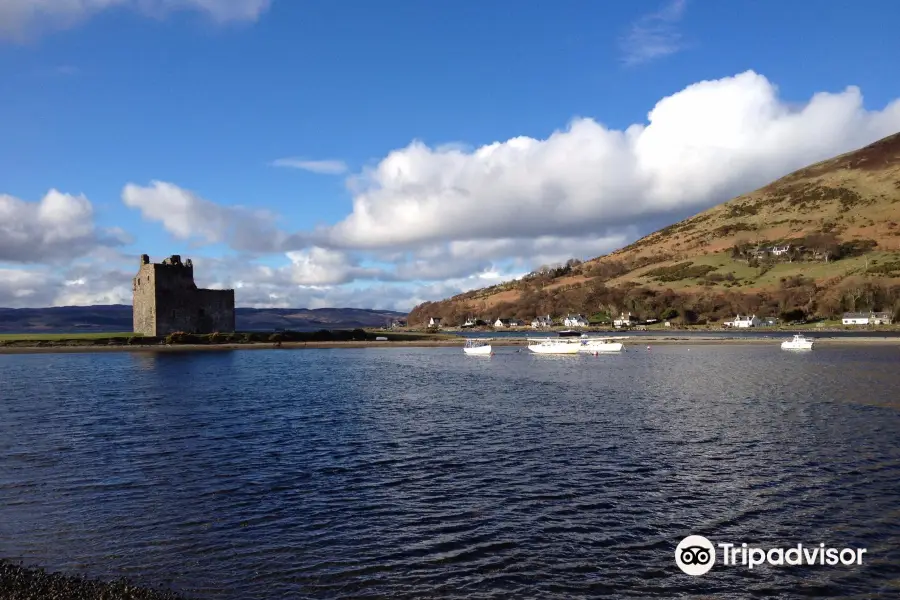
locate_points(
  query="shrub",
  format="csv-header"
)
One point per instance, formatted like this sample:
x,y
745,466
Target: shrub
x,y
177,337
215,338
669,313
276,337
679,271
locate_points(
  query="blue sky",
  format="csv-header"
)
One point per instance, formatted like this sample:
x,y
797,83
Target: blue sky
x,y
205,97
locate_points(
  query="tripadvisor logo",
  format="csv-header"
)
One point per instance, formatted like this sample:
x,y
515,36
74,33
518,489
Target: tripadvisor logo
x,y
696,555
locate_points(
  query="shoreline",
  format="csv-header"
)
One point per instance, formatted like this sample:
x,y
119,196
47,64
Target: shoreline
x,y
20,581
662,340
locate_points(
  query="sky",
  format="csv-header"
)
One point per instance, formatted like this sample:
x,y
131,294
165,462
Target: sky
x,y
348,153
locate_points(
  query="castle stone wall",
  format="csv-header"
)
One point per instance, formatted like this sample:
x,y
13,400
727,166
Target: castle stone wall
x,y
167,300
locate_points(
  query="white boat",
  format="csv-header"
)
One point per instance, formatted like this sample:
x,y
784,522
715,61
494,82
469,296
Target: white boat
x,y
798,342
601,344
478,347
554,345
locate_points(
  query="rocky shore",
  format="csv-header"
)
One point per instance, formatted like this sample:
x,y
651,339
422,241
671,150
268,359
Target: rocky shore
x,y
31,583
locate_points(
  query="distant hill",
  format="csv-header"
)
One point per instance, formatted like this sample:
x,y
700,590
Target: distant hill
x,y
117,318
819,241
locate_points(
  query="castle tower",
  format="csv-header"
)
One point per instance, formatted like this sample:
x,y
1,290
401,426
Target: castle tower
x,y
167,300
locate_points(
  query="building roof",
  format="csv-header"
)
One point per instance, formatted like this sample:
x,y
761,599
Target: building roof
x,y
857,315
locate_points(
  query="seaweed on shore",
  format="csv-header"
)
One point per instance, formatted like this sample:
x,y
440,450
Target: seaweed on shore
x,y
32,583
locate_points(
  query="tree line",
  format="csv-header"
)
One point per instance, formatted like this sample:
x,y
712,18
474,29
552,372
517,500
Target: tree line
x,y
796,298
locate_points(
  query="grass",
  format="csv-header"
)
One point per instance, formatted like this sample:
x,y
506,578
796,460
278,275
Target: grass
x,y
58,337
121,339
750,276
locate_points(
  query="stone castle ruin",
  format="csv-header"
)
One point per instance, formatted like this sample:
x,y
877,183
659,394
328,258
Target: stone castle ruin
x,y
167,300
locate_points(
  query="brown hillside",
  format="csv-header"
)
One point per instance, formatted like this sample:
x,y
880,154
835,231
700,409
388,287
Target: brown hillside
x,y
841,213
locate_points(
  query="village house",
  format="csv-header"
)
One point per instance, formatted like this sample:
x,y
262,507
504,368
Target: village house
x,y
434,322
867,318
542,321
744,322
516,323
780,250
881,318
398,323
575,321
624,320
500,323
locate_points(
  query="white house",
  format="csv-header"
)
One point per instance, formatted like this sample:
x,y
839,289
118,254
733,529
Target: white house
x,y
869,318
575,321
624,320
516,323
855,318
502,323
881,318
542,321
434,321
744,322
780,250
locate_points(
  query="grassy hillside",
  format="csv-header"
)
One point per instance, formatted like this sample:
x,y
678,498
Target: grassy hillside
x,y
840,218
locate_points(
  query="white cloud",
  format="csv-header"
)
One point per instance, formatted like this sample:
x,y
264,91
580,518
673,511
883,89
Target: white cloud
x,y
654,35
320,266
22,19
59,226
459,218
322,167
186,216
79,286
702,145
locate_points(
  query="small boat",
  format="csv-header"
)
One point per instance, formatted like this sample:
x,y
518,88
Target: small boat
x,y
569,333
601,344
798,342
554,345
478,347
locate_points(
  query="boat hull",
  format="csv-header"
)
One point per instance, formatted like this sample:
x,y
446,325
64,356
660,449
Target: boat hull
x,y
554,348
796,345
478,350
600,347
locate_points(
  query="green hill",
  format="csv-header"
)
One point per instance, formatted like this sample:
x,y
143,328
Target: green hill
x,y
818,242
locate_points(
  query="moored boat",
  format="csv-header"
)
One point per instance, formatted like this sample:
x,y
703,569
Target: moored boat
x,y
569,333
601,344
554,345
798,342
480,347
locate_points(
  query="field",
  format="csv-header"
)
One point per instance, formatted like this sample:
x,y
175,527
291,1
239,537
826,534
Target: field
x,y
128,338
58,337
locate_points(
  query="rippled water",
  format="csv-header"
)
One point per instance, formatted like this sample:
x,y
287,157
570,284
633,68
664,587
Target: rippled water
x,y
423,473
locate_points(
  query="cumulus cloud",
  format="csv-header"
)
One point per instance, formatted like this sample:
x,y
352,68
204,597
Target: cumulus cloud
x,y
21,19
59,226
700,146
320,266
322,167
187,216
654,35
